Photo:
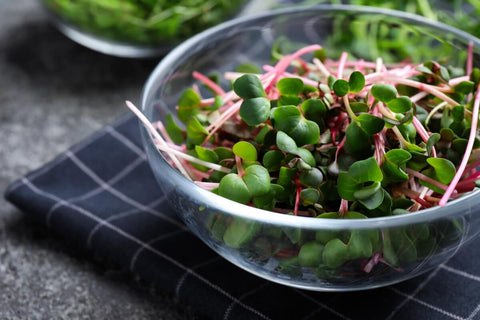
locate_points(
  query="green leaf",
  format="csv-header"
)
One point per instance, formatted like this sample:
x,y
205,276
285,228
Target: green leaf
x,y
288,100
464,87
314,109
234,188
335,253
370,124
368,191
400,104
393,165
357,140
347,186
356,82
248,86
444,169
174,132
432,140
458,113
359,245
272,159
188,104
196,133
224,153
285,143
240,232
358,107
310,254
245,150
206,154
309,196
340,87
290,120
366,171
384,92
255,111
374,201
290,86
257,180
311,178
286,118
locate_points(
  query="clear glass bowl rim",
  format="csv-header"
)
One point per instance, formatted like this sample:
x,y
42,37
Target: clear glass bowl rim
x,y
453,208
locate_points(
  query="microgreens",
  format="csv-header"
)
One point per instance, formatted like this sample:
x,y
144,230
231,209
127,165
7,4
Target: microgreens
x,y
355,145
146,22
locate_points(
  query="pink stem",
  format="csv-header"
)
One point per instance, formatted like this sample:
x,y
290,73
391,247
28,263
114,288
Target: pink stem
x,y
425,178
423,133
341,65
283,64
468,150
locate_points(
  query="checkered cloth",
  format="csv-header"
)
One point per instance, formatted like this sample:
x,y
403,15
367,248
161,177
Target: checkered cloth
x,y
102,195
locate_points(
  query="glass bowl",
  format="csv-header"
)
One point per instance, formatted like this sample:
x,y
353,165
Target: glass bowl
x,y
269,244
136,29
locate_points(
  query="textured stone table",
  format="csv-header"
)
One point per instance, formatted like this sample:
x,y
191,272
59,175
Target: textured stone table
x,y
54,93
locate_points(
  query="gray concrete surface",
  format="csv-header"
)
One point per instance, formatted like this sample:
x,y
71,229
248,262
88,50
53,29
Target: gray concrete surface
x,y
54,93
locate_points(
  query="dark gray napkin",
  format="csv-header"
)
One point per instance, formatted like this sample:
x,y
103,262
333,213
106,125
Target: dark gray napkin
x,y
102,195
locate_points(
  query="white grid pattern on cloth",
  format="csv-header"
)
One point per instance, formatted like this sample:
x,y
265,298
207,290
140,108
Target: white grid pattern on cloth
x,y
77,147
119,216
412,296
130,237
428,305
229,309
182,279
137,253
129,168
119,194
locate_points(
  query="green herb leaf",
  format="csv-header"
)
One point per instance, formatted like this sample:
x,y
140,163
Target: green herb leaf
x,y
245,150
464,87
400,104
188,104
240,232
366,171
234,188
290,120
196,133
384,92
357,140
272,160
290,86
432,140
356,82
311,178
314,109
248,86
335,253
444,169
257,180
206,154
340,87
310,254
309,196
370,124
255,111
174,132
394,163
287,144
